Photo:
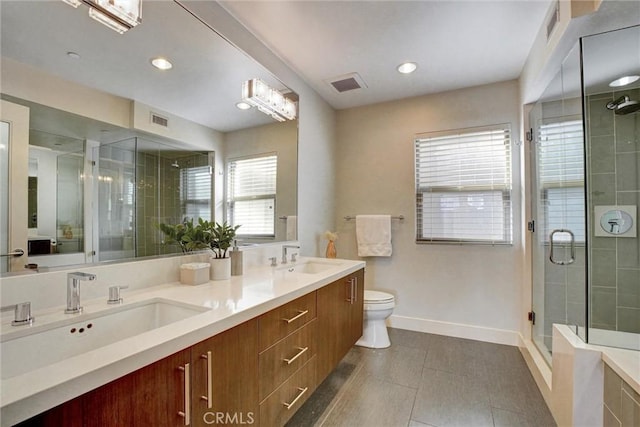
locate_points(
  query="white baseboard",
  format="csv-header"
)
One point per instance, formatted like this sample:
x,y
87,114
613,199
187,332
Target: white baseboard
x,y
478,333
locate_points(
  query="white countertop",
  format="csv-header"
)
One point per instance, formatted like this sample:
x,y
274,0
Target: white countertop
x,y
228,303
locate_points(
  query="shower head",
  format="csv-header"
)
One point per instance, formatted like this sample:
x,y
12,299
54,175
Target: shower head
x,y
628,107
624,105
175,164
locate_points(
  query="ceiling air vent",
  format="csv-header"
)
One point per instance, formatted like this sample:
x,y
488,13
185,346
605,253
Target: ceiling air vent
x,y
347,82
159,120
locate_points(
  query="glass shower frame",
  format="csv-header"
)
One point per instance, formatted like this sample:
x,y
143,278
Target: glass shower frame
x,y
557,207
598,293
613,184
140,183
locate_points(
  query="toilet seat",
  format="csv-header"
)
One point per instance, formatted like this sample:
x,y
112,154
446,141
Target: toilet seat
x,y
377,297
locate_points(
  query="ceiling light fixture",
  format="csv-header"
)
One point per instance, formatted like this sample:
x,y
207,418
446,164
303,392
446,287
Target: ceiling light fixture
x,y
243,105
268,100
161,63
119,15
407,67
623,81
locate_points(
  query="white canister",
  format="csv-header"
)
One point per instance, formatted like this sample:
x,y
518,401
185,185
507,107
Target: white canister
x,y
195,273
220,268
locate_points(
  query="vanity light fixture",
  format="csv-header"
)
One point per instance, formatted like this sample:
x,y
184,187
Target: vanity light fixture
x,y
407,67
623,81
161,63
270,101
119,15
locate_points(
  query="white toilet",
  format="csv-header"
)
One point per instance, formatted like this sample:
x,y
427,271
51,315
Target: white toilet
x,y
377,307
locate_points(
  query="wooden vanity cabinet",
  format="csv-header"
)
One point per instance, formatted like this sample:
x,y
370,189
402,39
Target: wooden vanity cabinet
x,y
257,373
225,378
153,395
287,368
340,320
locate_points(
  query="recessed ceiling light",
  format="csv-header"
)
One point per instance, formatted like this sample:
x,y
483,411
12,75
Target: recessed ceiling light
x,y
73,55
161,63
623,81
407,67
243,105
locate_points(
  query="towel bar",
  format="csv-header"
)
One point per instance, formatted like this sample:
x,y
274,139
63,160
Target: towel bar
x,y
350,217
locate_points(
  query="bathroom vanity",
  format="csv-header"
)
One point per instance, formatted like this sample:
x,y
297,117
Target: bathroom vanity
x,y
254,353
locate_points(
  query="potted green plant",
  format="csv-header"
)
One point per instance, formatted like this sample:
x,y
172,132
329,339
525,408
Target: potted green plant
x,y
186,235
221,238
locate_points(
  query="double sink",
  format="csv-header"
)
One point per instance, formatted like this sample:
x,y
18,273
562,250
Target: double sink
x,y
25,349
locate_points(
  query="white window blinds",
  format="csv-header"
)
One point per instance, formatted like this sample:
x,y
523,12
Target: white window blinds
x,y
251,195
463,186
195,192
561,177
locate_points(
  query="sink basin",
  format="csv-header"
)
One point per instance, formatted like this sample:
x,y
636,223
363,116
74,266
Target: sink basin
x,y
46,344
309,267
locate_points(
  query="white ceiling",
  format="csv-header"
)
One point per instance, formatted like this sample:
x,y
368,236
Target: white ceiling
x,y
455,43
203,86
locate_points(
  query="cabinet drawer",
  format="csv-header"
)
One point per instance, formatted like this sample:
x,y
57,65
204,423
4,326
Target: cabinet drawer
x,y
289,397
278,362
281,321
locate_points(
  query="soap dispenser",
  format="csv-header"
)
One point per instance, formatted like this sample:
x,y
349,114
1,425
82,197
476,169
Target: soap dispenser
x,y
236,260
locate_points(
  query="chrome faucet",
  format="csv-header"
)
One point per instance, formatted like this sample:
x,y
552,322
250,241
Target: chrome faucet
x,y
22,313
73,290
284,251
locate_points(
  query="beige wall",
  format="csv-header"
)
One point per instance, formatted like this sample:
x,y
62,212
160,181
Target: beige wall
x,y
478,286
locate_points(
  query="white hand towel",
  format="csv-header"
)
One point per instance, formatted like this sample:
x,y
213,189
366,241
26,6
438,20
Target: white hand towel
x,y
292,227
373,233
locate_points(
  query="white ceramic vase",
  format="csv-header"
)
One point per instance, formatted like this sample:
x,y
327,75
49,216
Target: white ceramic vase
x,y
220,268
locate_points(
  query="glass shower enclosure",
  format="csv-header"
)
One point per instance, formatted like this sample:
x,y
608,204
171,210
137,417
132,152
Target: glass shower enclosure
x,y
585,175
140,184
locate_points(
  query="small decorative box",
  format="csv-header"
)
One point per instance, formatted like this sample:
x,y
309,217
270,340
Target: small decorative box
x,y
195,273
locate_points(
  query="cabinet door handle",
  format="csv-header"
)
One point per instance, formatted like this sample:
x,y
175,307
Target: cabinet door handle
x,y
296,317
293,402
209,396
300,353
355,290
186,414
352,285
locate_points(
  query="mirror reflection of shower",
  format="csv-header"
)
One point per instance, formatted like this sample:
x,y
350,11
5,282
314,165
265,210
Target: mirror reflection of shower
x,y
148,183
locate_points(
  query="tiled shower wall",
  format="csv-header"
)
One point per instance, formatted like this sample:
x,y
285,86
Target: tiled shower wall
x,y
158,197
613,148
157,200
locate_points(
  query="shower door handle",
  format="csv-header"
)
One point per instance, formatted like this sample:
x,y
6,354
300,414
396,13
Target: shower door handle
x,y
15,253
572,246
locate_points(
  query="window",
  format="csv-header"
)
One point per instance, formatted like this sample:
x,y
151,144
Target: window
x,y
195,189
463,186
561,177
251,195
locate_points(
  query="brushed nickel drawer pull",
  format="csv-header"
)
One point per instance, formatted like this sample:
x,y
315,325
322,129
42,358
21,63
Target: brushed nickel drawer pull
x,y
299,315
209,396
300,353
187,394
302,391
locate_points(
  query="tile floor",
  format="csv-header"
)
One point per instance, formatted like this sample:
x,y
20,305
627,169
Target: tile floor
x,y
428,380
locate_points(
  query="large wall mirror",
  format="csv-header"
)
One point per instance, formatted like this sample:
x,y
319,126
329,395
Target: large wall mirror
x,y
117,146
